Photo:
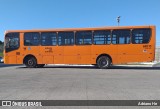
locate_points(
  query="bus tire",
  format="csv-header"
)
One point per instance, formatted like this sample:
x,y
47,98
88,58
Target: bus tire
x,y
31,62
40,65
103,62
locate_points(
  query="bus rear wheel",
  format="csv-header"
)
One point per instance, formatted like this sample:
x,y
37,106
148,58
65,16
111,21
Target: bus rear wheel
x,y
103,62
31,62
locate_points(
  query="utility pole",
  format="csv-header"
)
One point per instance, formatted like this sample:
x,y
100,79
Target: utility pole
x,y
118,20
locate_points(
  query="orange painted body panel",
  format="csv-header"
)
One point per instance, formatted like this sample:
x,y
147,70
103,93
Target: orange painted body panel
x,y
83,54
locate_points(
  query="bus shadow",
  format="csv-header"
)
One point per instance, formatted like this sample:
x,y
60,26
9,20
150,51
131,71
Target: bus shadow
x,y
65,67
93,67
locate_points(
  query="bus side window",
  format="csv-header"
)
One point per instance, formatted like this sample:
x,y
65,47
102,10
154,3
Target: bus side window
x,y
83,38
32,39
114,39
121,36
141,36
101,37
65,38
49,38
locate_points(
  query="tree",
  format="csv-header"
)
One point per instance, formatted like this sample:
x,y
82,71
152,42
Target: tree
x,y
1,46
1,42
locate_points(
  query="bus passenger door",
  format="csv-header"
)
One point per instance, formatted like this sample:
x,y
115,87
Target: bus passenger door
x,y
31,45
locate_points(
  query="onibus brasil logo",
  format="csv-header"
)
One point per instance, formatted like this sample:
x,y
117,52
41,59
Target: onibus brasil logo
x,y
21,103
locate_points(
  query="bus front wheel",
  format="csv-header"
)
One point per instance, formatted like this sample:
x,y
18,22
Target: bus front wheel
x,y
31,62
103,62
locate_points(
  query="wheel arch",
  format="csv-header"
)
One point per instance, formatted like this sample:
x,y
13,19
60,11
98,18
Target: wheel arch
x,y
27,56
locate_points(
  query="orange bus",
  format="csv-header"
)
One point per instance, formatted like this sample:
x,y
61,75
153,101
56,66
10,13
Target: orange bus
x,y
102,46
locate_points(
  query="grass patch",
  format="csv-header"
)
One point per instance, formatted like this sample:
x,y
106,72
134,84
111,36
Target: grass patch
x,y
1,54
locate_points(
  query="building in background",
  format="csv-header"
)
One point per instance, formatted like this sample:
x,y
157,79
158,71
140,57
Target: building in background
x,y
157,54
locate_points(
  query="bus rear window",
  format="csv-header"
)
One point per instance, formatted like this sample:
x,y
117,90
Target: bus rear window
x,y
141,36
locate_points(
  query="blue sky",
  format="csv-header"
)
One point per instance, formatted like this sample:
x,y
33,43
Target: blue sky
x,y
46,14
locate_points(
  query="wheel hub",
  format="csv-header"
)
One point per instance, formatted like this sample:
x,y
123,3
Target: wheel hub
x,y
30,62
103,62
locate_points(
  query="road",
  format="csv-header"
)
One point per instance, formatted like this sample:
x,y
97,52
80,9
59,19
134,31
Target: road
x,y
80,83
7,65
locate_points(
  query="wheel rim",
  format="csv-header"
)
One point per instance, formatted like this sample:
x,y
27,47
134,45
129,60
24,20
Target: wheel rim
x,y
104,62
30,62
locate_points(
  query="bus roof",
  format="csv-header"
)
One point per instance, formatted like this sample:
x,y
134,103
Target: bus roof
x,y
80,29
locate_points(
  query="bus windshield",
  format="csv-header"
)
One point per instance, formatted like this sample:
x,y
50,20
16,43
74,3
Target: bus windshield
x,y
11,41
